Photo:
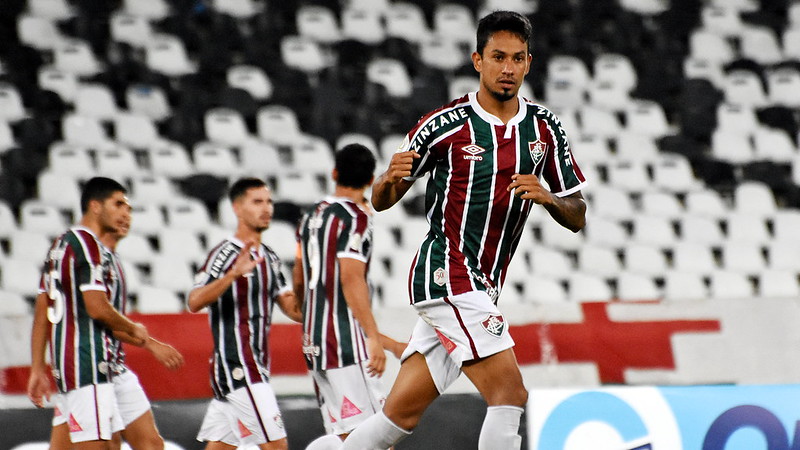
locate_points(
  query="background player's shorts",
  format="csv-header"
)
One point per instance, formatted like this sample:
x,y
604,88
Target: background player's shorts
x,y
349,396
58,407
455,329
131,399
91,413
251,414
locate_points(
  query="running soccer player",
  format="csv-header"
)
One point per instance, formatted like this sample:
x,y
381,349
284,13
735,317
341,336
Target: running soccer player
x,y
240,282
486,155
78,285
341,343
137,417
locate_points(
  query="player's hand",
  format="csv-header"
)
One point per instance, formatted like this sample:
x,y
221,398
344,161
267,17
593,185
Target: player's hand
x,y
39,387
165,354
395,347
245,263
377,358
527,187
140,333
400,166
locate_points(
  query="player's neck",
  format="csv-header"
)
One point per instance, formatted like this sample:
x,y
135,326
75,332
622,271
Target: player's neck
x,y
246,234
92,224
504,110
356,195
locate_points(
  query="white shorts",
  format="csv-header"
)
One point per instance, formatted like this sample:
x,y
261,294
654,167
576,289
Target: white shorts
x,y
58,407
349,396
131,399
248,416
455,329
91,413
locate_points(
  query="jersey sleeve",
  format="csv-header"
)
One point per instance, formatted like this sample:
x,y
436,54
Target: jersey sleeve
x,y
561,171
354,239
275,265
420,139
217,263
88,263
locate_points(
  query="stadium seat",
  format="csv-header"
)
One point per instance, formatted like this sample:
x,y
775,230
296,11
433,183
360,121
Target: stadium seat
x,y
318,23
154,300
119,162
42,218
752,197
635,287
441,54
732,148
363,25
85,131
155,189
654,231
313,154
69,159
406,20
65,84
609,96
147,218
744,87
252,79
645,7
648,118
170,160
240,9
684,286
59,190
180,244
644,259
554,235
705,69
674,173
76,56
171,273
661,204
6,137
280,237
742,257
611,202
616,69
38,32
630,176
215,160
225,126
782,255
791,42
724,21
632,145
701,230
588,148
301,188
152,10
736,118
693,257
303,54
706,203
730,285
544,290
747,228
597,260
391,74
187,214
148,100
166,54
605,232
95,100
13,304
568,68
599,122
785,224
705,44
135,130
784,86
21,276
11,107
8,222
454,22
136,248
278,125
564,94
778,284
588,288
773,144
760,44
260,158
130,29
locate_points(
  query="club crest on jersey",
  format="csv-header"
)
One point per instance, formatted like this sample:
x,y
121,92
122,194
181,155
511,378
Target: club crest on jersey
x,y
537,149
494,325
473,152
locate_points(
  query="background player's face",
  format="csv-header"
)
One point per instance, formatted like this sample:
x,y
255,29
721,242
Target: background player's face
x,y
503,65
115,214
254,209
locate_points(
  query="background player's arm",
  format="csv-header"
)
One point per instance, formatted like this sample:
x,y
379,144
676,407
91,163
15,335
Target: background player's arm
x,y
395,347
164,353
298,278
568,211
39,379
391,186
353,275
290,306
202,296
99,308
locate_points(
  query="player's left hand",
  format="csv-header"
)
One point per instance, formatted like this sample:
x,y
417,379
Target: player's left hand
x,y
377,358
39,387
527,187
165,354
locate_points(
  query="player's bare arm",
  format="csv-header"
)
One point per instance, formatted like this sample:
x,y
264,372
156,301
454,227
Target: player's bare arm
x,y
290,305
568,211
391,186
99,308
394,347
356,294
298,278
166,354
203,296
39,380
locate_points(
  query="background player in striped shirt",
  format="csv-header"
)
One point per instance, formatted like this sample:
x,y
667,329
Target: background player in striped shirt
x,y
240,282
137,417
78,283
486,155
343,348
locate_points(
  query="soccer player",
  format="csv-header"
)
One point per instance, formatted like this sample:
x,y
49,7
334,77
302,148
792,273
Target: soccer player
x,y
343,348
240,282
77,286
137,417
486,155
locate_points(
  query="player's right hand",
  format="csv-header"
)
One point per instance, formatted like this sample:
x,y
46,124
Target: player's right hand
x,y
400,165
140,332
245,263
39,387
377,358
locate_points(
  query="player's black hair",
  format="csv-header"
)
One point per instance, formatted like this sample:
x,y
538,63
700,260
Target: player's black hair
x,y
99,189
356,165
503,21
242,185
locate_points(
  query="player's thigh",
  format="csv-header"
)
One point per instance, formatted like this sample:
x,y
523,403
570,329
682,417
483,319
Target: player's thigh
x,y
59,436
132,401
497,378
143,434
413,391
280,444
216,445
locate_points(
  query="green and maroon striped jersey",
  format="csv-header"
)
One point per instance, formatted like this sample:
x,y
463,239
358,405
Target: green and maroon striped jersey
x,y
240,319
82,349
475,223
335,228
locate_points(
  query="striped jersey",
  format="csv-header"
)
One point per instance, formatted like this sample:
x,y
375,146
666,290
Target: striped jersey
x,y
475,223
118,295
240,319
335,228
82,349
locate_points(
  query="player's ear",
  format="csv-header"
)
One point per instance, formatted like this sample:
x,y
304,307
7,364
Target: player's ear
x,y
335,174
476,61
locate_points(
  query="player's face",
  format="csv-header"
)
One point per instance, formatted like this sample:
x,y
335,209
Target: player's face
x,y
254,209
503,65
115,215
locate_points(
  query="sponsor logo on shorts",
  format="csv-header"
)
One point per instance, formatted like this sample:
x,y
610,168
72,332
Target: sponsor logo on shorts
x,y
243,430
330,416
446,342
349,409
494,325
74,426
440,276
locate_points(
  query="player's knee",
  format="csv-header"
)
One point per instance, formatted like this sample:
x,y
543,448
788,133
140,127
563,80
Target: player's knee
x,y
406,420
512,394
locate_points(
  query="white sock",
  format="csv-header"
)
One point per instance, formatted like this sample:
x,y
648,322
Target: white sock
x,y
500,430
327,442
375,433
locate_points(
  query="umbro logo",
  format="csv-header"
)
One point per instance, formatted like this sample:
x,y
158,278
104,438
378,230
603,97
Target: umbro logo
x,y
473,152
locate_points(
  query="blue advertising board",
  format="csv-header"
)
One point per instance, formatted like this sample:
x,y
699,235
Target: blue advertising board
x,y
665,418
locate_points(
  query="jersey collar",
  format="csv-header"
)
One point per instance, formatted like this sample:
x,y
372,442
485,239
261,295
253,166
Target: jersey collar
x,y
240,244
491,118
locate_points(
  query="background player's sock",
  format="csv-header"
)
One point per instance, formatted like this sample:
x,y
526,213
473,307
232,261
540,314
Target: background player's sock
x,y
500,428
375,433
327,442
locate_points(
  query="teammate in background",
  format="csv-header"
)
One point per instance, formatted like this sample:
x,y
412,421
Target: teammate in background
x,y
137,418
343,348
486,154
240,282
77,285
